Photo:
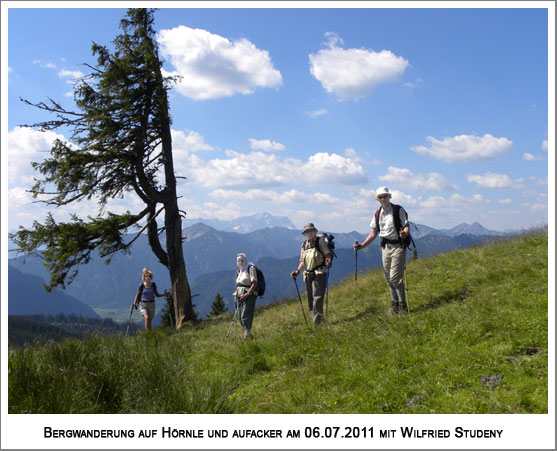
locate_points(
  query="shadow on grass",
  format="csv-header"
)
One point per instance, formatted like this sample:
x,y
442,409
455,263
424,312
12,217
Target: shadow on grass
x,y
448,297
371,309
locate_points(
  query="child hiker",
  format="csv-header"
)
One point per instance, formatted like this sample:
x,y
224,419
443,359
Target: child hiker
x,y
145,297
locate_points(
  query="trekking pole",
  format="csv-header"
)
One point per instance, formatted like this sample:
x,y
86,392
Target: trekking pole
x,y
232,323
300,298
130,320
356,279
327,296
406,288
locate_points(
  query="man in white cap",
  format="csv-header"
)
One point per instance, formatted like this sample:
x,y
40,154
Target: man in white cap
x,y
316,258
390,223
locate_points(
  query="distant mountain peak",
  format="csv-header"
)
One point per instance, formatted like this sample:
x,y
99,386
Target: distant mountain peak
x,y
247,224
470,229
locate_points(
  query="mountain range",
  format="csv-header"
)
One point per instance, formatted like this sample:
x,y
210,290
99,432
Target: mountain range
x,y
245,224
211,256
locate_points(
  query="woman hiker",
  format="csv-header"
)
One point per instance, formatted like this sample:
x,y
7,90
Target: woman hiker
x,y
145,296
246,293
390,222
316,258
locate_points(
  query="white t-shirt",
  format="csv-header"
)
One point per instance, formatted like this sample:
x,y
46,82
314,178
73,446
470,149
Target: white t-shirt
x,y
244,280
387,227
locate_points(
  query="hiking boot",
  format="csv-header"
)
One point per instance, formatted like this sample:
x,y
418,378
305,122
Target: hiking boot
x,y
248,336
318,319
394,308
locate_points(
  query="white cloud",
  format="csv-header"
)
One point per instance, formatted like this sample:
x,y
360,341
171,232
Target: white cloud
x,y
317,113
19,197
538,207
192,142
26,145
242,170
71,74
333,168
492,180
465,148
352,74
212,66
48,65
258,169
505,201
529,157
534,207
454,202
544,145
286,197
413,85
351,153
265,145
416,182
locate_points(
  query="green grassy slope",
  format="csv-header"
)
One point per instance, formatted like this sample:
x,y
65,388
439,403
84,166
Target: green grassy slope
x,y
475,342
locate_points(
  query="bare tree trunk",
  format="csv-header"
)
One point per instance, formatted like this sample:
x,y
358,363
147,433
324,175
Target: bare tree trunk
x,y
183,307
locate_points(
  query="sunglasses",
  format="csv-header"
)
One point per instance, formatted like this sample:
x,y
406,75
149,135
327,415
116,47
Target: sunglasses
x,y
383,197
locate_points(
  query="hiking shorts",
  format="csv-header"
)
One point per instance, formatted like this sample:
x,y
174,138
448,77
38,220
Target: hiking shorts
x,y
147,308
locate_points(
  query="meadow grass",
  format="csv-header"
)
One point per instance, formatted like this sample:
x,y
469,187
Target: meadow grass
x,y
475,341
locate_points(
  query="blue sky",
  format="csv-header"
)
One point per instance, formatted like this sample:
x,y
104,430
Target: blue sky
x,y
305,112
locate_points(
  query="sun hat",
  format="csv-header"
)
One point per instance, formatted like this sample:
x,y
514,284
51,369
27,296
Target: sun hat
x,y
381,191
308,227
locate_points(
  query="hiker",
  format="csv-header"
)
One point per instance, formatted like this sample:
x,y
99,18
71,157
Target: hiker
x,y
392,231
145,297
316,258
246,293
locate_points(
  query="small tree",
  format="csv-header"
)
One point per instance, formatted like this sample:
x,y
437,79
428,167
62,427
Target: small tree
x,y
414,254
218,307
121,142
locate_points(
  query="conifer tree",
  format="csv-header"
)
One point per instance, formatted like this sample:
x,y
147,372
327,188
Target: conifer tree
x,y
217,307
414,254
120,143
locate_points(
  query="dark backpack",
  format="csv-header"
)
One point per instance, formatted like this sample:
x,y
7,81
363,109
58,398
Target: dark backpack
x,y
328,241
396,217
260,280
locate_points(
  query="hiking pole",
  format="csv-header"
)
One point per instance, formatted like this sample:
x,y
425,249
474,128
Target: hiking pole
x,y
356,279
406,288
233,322
327,297
300,298
130,320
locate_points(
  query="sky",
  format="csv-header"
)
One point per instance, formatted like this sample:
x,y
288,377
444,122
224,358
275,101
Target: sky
x,y
305,112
